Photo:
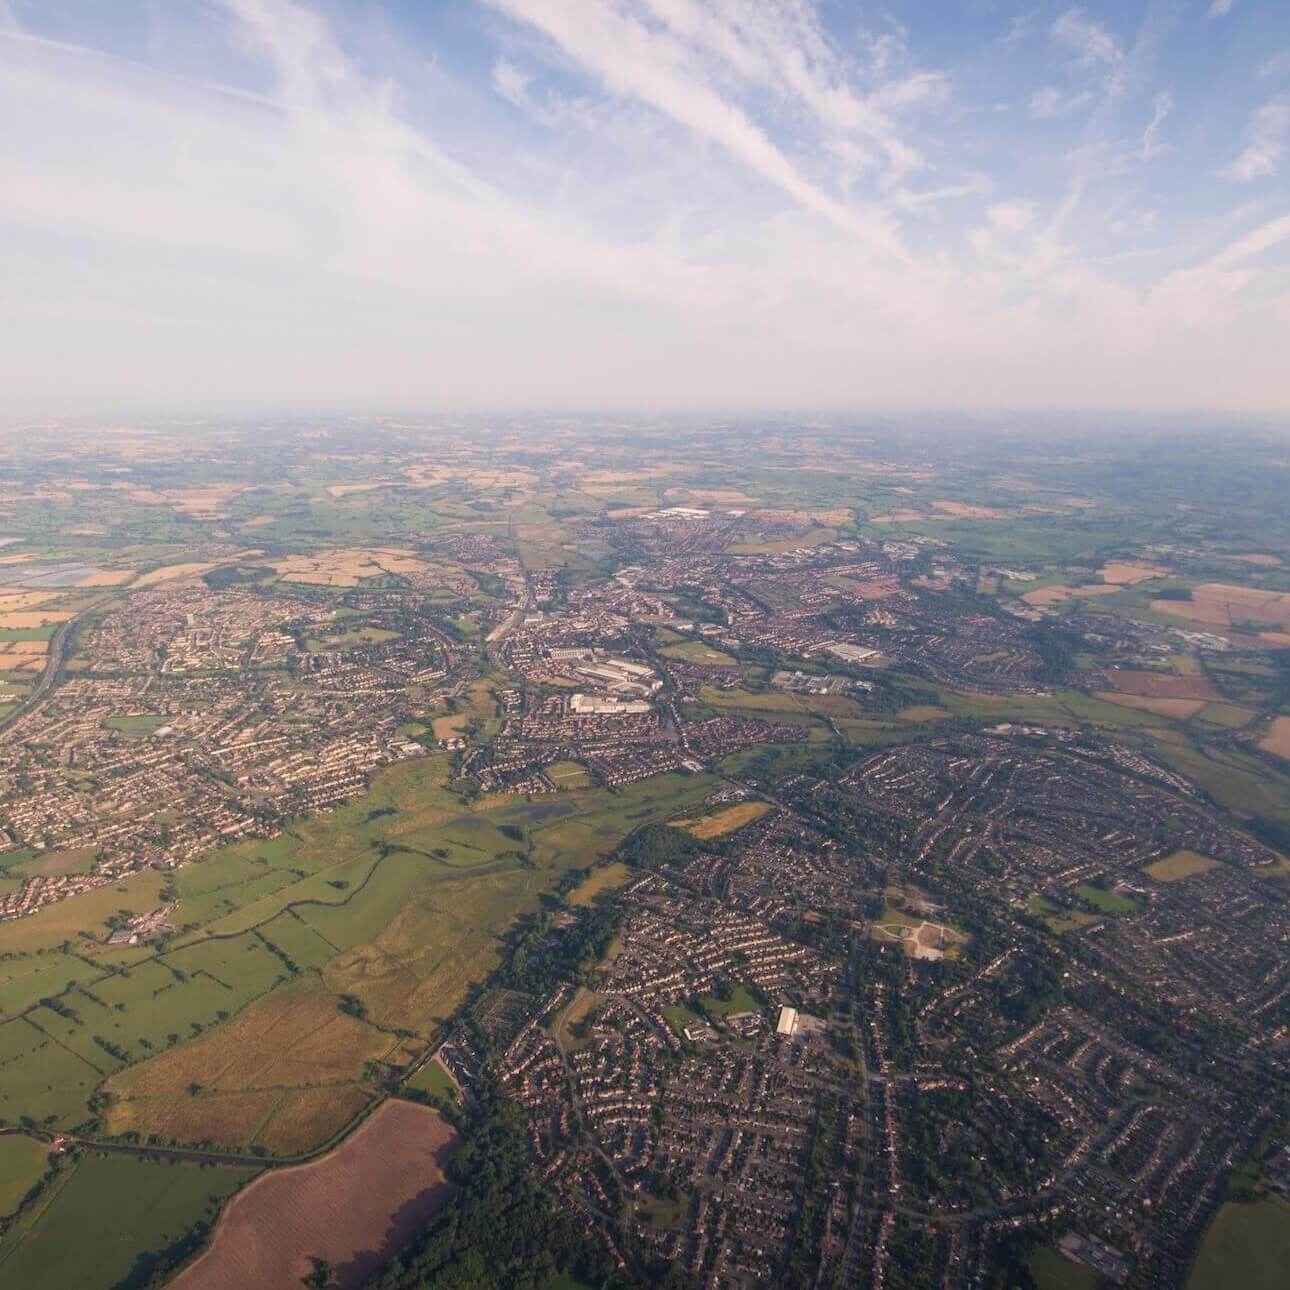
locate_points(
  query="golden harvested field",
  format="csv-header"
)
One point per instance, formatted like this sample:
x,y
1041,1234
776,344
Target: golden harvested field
x,y
20,619
1182,864
1178,709
27,649
170,571
107,578
344,490
12,600
962,511
1222,604
224,1119
1277,739
309,1117
1126,573
922,712
356,1207
709,496
347,566
1045,596
725,821
450,727
606,878
293,1040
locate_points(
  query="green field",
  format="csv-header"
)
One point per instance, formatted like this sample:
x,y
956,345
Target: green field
x,y
742,999
1107,901
23,1162
1052,1270
1182,864
135,727
433,1079
1246,1246
106,1217
678,1016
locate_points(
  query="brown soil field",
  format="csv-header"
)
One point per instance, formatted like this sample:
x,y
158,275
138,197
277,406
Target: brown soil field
x,y
1275,638
962,511
1126,572
726,821
1158,685
356,1207
1277,740
1257,557
344,490
1221,604
1179,709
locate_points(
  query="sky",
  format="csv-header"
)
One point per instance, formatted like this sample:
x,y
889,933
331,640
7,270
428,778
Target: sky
x,y
644,205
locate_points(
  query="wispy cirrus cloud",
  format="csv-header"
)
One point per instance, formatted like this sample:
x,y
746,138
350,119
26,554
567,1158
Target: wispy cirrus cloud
x,y
1265,143
616,202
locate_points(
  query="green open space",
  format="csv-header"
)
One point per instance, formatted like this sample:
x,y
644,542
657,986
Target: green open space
x,y
1052,1270
23,1162
108,1217
743,998
1246,1245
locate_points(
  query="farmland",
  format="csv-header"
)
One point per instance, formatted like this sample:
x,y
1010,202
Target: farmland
x,y
353,1207
106,1218
23,1162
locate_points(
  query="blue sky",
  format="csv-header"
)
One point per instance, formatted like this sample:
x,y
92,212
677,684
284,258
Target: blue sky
x,y
645,204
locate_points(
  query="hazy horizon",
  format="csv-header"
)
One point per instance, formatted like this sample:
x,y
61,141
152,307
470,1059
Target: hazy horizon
x,y
658,205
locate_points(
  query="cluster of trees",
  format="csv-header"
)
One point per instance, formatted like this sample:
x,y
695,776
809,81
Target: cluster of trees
x,y
656,846
502,1230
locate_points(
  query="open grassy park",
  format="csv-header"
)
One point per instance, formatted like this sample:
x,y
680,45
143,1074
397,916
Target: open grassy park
x,y
1245,1245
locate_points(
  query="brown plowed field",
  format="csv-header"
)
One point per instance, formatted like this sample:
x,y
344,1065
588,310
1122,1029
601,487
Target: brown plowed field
x,y
356,1207
1277,739
1161,685
1222,605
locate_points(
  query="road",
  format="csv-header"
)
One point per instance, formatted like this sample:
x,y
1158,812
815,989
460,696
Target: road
x,y
54,660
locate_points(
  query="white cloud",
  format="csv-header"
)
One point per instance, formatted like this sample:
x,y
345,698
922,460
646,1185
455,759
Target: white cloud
x,y
686,241
1220,7
1050,102
1265,145
1161,108
1087,39
1012,217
